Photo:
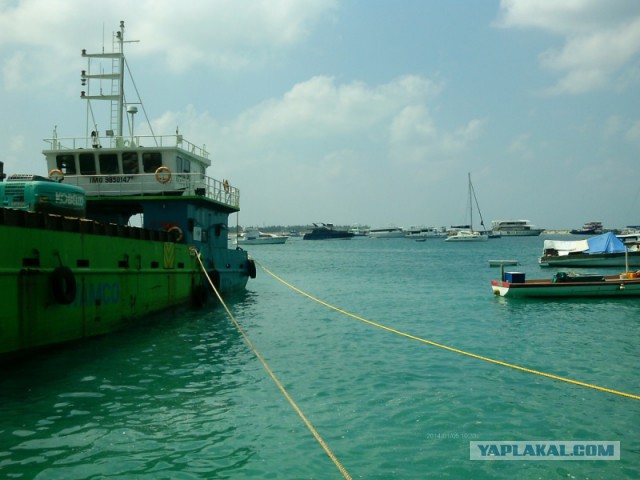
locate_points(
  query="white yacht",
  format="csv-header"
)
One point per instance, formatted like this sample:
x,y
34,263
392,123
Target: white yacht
x,y
515,228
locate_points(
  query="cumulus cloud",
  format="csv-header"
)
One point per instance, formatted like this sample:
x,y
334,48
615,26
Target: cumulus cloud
x,y
601,39
206,32
321,107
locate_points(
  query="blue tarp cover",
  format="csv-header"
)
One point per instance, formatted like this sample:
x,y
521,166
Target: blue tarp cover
x,y
605,243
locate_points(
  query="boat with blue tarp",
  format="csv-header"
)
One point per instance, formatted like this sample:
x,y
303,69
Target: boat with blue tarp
x,y
604,250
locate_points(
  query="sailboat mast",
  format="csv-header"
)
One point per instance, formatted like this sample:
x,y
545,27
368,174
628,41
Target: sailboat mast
x,y
470,204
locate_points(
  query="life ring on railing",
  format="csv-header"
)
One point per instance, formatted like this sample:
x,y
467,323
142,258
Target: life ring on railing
x,y
163,174
63,285
56,175
225,184
176,228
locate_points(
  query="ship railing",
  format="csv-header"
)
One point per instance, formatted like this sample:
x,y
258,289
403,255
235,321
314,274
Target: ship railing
x,y
178,184
110,141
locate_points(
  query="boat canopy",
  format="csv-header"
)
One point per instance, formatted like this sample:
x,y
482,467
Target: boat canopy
x,y
605,243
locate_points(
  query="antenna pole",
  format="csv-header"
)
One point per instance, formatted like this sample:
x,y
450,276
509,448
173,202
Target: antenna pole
x,y
120,36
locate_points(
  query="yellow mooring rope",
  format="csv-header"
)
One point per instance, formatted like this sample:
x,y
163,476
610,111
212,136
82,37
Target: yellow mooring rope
x,y
311,428
451,349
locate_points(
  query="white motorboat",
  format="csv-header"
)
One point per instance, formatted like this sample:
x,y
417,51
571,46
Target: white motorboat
x,y
515,228
256,237
389,232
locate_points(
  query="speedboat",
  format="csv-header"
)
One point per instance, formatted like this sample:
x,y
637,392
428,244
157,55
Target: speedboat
x,y
256,237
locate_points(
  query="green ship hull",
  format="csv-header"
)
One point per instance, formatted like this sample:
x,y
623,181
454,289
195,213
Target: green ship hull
x,y
72,267
60,286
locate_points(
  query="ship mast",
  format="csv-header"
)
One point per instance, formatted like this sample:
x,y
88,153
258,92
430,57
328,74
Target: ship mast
x,y
117,78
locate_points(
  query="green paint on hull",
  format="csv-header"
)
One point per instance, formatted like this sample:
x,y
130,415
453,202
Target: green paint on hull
x,y
118,281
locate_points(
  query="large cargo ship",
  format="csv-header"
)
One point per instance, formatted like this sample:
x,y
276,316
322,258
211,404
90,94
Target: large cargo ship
x,y
73,266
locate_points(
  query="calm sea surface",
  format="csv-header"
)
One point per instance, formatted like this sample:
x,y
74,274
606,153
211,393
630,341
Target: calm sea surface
x,y
186,398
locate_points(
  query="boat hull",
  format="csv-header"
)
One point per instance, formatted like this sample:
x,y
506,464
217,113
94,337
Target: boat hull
x,y
611,287
264,241
60,286
387,234
592,260
464,236
335,235
519,233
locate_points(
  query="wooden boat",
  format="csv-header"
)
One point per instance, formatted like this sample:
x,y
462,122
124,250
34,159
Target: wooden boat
x,y
563,284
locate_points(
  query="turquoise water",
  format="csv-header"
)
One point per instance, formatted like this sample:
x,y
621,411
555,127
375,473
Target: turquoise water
x,y
185,397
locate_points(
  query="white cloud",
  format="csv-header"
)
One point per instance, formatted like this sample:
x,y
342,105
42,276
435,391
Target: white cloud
x,y
234,34
601,39
320,107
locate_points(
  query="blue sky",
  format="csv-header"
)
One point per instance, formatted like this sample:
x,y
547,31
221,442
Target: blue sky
x,y
360,111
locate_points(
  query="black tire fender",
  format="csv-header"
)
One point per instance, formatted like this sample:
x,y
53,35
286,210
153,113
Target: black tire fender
x,y
251,265
63,285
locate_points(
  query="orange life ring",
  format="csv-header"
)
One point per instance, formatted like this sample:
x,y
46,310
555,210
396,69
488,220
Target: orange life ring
x,y
176,228
56,175
163,174
225,184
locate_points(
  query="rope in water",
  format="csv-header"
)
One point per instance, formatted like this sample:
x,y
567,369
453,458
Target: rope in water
x,y
293,404
446,347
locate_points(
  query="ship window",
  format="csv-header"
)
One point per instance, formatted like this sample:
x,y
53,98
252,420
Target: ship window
x,y
109,163
151,161
66,164
87,164
130,162
184,165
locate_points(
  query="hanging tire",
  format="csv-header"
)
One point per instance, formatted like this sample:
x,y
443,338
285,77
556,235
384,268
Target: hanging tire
x,y
252,268
200,295
63,285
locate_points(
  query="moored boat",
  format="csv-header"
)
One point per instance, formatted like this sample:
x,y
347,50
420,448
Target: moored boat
x,y
467,236
604,250
256,237
465,233
70,273
589,228
418,233
562,284
327,231
388,232
515,228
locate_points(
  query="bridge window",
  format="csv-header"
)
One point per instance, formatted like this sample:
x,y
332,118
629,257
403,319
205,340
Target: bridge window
x,y
66,164
109,164
151,161
87,164
130,162
184,165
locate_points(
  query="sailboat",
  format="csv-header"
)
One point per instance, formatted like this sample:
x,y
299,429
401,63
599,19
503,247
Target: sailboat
x,y
468,234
